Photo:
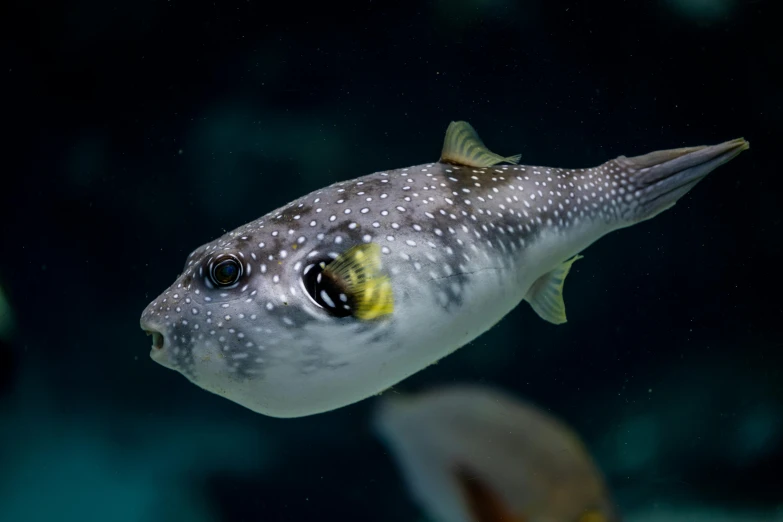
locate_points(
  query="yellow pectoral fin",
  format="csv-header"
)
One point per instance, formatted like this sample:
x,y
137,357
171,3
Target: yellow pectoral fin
x,y
358,271
376,300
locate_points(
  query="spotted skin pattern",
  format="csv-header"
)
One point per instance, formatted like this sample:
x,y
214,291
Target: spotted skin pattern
x,y
461,245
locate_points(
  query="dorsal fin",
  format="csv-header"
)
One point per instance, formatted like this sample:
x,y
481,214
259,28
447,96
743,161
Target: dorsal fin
x,y
463,146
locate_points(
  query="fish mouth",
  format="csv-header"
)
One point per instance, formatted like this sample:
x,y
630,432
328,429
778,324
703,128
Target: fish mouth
x,y
157,339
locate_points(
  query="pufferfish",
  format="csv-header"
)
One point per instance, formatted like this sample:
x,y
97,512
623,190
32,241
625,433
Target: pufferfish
x,y
350,289
472,453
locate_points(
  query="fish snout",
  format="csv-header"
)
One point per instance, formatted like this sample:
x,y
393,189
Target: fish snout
x,y
156,331
158,341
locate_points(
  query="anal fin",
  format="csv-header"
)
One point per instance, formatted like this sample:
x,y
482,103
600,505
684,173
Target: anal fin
x,y
546,294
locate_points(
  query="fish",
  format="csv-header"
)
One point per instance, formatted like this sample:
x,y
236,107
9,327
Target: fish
x,y
8,356
473,453
7,322
346,291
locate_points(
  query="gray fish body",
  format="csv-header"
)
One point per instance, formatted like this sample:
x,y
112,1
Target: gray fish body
x,y
461,245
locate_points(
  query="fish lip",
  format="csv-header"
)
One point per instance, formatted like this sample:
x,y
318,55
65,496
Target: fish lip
x,y
158,340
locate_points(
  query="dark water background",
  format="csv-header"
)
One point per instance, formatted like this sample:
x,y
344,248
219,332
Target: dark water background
x,y
136,131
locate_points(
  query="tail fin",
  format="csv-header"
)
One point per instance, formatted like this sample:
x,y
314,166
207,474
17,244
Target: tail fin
x,y
655,181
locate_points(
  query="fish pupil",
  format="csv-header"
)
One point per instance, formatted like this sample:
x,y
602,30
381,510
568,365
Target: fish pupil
x,y
226,271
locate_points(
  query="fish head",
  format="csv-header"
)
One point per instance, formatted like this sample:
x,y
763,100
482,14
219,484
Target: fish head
x,y
259,319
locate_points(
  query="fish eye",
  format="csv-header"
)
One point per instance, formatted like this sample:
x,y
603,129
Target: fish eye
x,y
225,270
325,291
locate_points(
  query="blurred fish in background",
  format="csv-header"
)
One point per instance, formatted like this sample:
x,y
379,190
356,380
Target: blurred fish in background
x,y
6,317
7,356
474,454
